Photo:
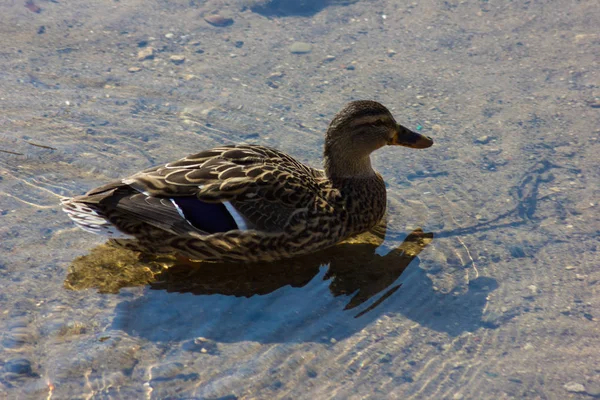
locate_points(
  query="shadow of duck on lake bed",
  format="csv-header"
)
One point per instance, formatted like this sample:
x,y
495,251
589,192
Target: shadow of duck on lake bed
x,y
330,294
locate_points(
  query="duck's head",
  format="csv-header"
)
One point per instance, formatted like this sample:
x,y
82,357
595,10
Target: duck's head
x,y
360,128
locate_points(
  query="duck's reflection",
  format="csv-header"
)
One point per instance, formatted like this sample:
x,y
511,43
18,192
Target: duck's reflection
x,y
355,269
331,294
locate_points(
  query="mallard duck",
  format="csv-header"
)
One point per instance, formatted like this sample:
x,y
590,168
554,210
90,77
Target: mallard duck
x,y
250,203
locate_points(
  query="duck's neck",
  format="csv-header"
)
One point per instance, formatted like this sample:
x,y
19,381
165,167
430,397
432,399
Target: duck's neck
x,y
347,166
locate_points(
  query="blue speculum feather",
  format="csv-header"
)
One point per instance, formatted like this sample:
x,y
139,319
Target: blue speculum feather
x,y
209,217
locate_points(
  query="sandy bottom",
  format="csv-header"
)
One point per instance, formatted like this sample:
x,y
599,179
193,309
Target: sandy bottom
x,y
501,303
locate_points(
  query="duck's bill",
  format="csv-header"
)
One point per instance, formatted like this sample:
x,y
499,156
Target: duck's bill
x,y
406,137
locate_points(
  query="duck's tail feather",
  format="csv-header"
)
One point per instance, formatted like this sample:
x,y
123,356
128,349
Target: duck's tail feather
x,y
91,220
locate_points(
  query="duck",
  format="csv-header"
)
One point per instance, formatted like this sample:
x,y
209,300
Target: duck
x,y
252,203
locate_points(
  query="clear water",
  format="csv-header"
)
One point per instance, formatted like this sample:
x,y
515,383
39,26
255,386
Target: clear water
x,y
501,303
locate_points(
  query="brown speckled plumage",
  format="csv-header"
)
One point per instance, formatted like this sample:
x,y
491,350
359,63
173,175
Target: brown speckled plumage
x,y
289,208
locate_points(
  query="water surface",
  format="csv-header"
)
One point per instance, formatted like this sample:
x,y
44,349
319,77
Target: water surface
x,y
496,298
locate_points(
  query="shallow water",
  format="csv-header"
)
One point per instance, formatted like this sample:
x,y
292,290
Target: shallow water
x,y
502,302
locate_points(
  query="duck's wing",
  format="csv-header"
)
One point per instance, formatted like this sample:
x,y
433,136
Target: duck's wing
x,y
227,172
260,187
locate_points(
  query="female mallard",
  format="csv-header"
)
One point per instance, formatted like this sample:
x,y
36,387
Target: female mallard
x,y
252,203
